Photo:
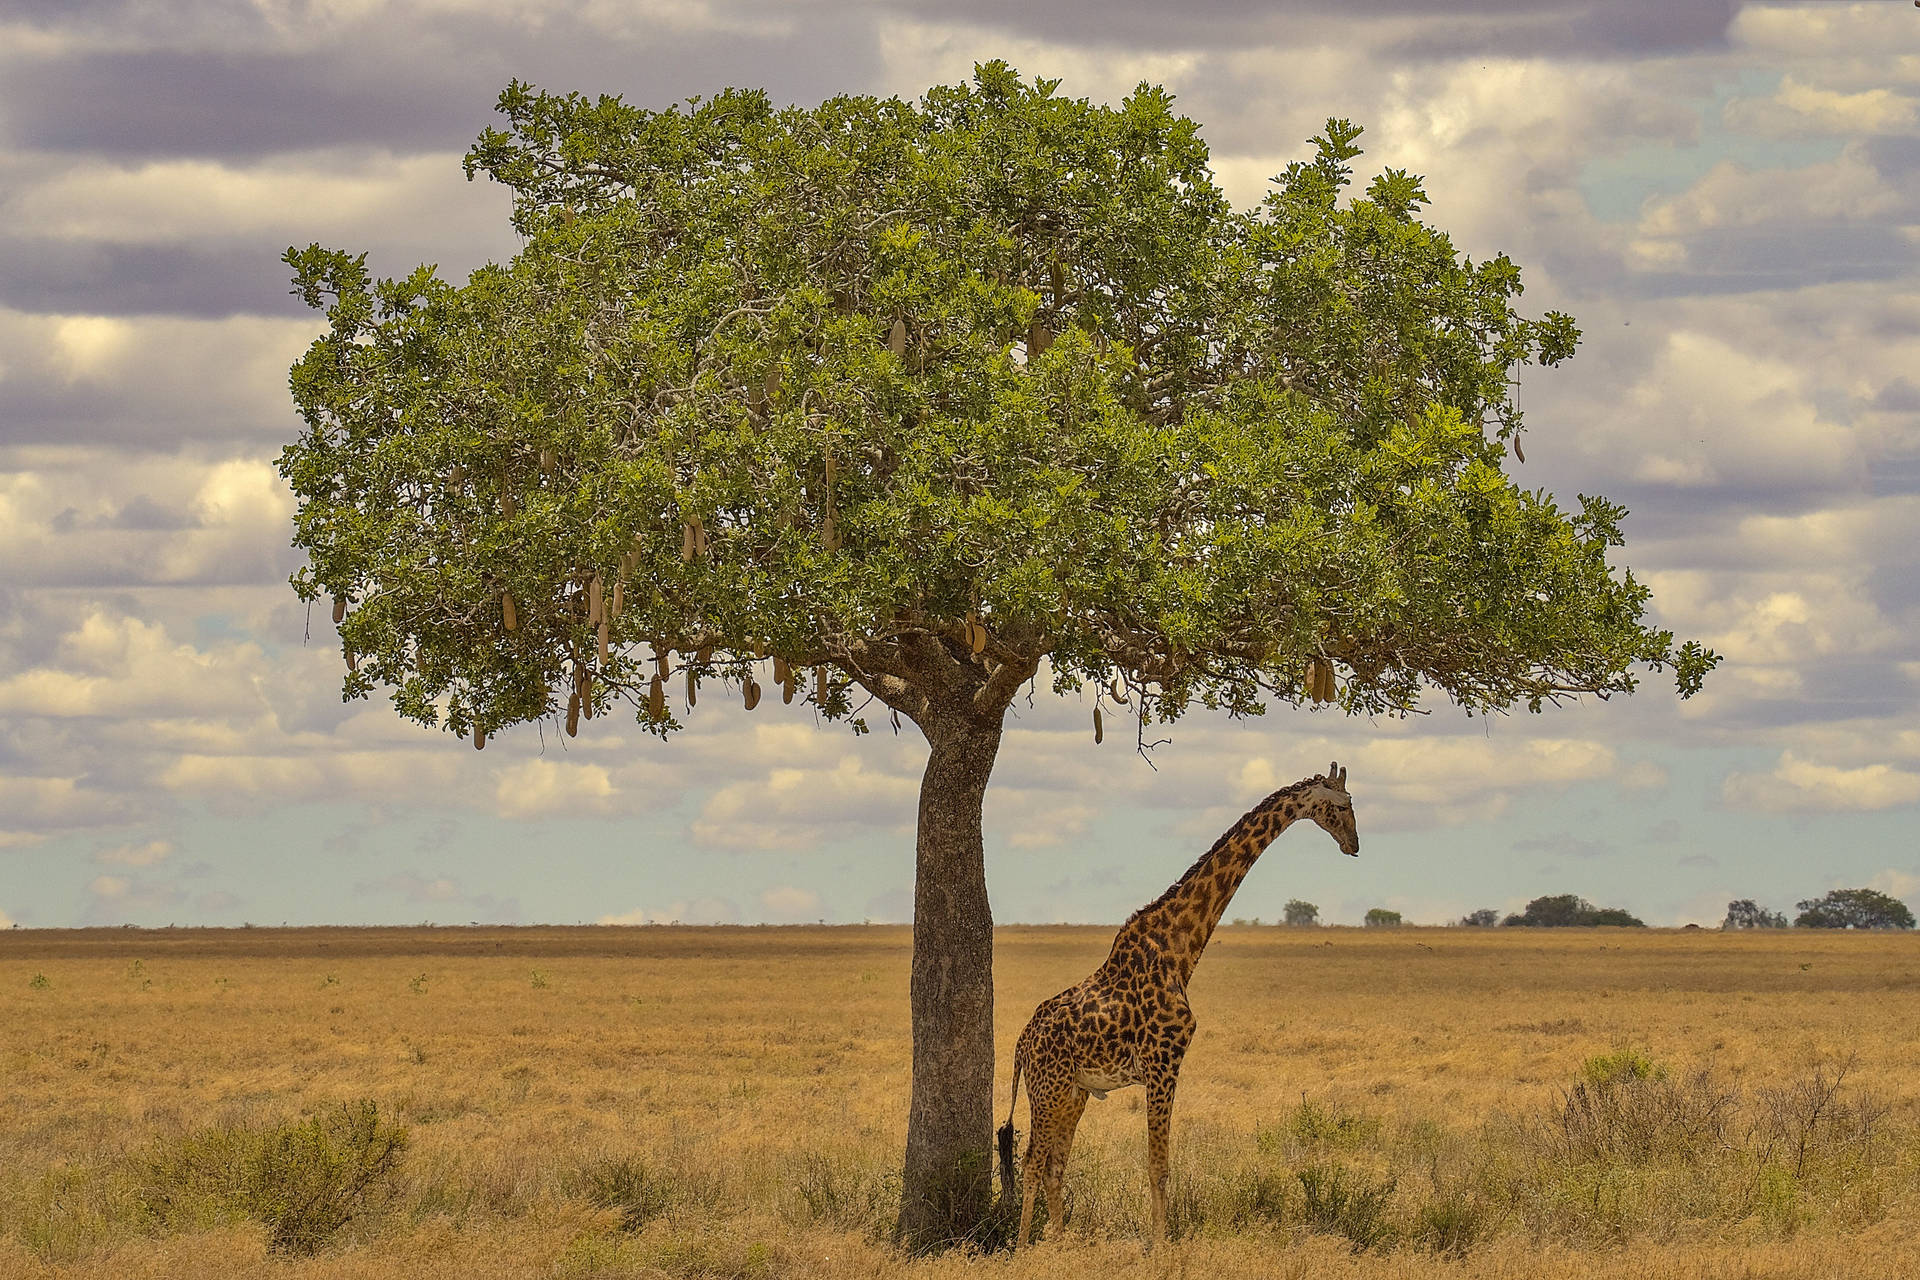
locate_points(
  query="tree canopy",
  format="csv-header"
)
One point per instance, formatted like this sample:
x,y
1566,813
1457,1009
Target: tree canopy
x,y
1745,913
1854,909
1569,910
1000,373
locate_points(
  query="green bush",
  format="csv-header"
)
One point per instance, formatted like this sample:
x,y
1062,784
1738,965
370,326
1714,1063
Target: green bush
x,y
628,1185
1340,1201
304,1180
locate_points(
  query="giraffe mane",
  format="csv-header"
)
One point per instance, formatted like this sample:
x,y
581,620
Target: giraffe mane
x,y
1284,793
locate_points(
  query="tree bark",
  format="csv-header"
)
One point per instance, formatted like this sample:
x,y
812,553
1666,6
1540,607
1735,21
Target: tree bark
x,y
946,1189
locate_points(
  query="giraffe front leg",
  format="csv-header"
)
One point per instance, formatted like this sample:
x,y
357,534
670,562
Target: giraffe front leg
x,y
1159,1141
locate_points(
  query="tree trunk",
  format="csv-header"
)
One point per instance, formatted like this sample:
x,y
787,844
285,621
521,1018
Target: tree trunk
x,y
946,1188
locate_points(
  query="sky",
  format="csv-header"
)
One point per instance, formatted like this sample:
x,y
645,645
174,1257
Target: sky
x,y
1726,197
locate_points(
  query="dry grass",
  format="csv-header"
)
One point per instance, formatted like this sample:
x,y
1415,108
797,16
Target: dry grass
x,y
730,1103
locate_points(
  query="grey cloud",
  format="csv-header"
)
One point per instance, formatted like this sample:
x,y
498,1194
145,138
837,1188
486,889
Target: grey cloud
x,y
1752,259
1898,396
39,274
409,85
1563,845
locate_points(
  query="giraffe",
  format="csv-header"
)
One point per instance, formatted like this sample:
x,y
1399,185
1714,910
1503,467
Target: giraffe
x,y
1128,1023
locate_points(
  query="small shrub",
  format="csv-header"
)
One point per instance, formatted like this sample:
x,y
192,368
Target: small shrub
x,y
303,1180
539,980
1452,1222
1340,1201
39,982
1315,1124
639,1193
1621,1064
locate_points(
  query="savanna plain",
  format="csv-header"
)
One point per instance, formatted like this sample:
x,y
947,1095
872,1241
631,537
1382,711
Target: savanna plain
x,y
600,1102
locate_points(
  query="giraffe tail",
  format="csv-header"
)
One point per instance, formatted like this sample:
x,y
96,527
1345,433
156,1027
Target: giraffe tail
x,y
1004,1139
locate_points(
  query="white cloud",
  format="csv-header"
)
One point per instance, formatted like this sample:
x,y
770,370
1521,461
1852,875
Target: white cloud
x,y
1802,786
1898,883
6,921
680,911
546,788
135,855
787,904
1797,110
109,886
795,807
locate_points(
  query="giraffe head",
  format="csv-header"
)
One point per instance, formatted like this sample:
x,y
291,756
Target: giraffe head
x,y
1328,804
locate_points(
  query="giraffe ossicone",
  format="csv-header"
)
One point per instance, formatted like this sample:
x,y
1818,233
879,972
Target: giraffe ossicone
x,y
1128,1023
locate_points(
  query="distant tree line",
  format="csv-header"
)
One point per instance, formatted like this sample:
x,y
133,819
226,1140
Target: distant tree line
x,y
1838,909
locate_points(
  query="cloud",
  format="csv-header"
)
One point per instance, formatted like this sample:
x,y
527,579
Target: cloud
x,y
443,896
135,855
1800,110
797,807
788,904
1802,786
546,788
680,911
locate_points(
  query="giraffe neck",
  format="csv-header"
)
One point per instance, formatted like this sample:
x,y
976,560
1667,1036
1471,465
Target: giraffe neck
x,y
1185,915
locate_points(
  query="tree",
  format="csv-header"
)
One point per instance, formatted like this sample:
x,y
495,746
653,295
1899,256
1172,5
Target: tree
x,y
923,402
1300,914
1854,909
1381,918
1567,910
1483,918
1744,913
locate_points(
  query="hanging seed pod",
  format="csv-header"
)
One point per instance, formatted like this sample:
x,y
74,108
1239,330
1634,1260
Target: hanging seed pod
x,y
657,699
339,610
1057,280
1119,690
662,660
573,715
1313,679
1518,452
1099,726
686,543
820,685
619,596
1039,338
699,537
479,738
548,460
751,693
780,670
596,602
693,688
353,659
897,338
786,687
759,651
980,637
586,691
509,616
605,631
704,654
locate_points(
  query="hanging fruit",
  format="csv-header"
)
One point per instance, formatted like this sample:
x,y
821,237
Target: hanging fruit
x,y
820,685
751,693
573,714
596,602
548,460
657,699
786,687
479,738
897,338
509,616
1099,727
693,688
1119,690
687,543
619,596
604,635
662,660
780,672
1039,338
339,610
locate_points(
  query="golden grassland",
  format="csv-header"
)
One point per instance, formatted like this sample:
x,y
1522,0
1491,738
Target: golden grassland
x,y
585,1102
